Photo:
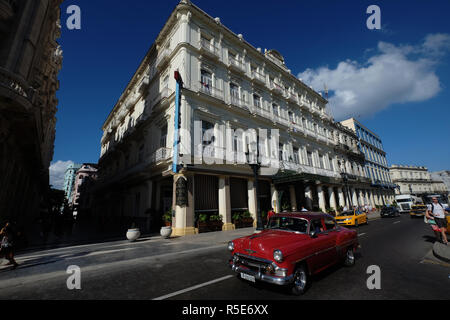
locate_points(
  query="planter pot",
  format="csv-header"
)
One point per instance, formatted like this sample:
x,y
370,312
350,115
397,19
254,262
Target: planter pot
x,y
133,234
209,226
166,232
243,223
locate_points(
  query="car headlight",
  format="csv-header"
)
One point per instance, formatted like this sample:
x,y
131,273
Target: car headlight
x,y
231,245
278,255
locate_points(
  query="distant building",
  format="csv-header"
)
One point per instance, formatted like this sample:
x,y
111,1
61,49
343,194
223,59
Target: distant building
x,y
376,166
443,176
416,180
69,179
81,199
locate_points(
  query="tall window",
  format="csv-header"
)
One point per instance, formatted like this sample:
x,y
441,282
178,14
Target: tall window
x,y
163,139
256,100
275,110
321,162
234,93
207,139
280,152
310,161
296,157
291,117
206,80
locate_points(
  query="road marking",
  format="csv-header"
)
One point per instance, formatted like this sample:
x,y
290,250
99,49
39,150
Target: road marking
x,y
396,222
192,288
361,234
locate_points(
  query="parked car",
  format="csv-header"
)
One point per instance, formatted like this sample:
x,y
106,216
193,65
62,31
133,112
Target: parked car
x,y
292,248
352,218
389,212
417,210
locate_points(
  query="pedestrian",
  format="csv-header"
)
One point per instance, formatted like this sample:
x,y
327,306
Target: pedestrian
x,y
430,220
304,209
436,211
270,214
345,208
7,244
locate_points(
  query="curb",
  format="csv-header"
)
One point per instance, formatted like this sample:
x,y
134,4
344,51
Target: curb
x,y
441,251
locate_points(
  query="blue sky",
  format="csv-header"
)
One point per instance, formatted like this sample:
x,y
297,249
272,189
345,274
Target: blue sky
x,y
394,80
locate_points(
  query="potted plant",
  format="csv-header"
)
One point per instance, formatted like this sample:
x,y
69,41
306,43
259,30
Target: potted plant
x,y
166,229
215,222
202,223
133,233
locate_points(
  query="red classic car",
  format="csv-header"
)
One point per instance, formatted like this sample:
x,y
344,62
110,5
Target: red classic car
x,y
293,247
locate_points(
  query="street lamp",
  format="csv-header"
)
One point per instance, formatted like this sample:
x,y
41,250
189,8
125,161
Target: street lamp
x,y
344,176
255,164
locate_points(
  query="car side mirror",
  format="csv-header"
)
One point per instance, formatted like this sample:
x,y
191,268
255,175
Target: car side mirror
x,y
313,234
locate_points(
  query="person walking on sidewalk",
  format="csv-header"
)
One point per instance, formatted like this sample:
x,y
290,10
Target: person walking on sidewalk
x,y
7,244
436,211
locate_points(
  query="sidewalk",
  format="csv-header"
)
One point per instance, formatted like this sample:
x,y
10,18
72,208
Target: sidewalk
x,y
441,251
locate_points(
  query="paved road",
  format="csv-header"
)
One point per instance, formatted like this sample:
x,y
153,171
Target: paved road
x,y
195,268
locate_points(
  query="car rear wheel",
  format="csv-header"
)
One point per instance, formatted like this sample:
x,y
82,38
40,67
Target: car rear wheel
x,y
301,281
349,257
356,223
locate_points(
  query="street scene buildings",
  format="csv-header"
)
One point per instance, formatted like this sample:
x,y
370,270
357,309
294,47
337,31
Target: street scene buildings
x,y
30,59
214,152
227,84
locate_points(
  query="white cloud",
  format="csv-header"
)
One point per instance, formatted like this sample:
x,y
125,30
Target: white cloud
x,y
57,172
393,74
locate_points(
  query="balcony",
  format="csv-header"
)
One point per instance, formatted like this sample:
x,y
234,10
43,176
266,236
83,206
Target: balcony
x,y
236,65
258,77
160,155
238,102
16,84
163,59
277,89
209,49
292,98
161,96
210,90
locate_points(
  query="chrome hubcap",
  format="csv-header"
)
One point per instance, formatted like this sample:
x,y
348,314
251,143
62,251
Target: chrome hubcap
x,y
350,256
300,279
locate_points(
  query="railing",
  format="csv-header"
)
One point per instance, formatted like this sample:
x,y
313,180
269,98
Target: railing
x,y
162,58
210,90
302,168
165,93
236,64
161,154
238,102
258,77
15,83
277,88
209,48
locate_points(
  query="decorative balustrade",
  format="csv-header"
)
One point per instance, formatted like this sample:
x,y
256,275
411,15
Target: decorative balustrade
x,y
209,48
236,64
15,83
210,90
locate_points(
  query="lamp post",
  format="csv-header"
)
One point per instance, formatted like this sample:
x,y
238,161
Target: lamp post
x,y
255,165
345,180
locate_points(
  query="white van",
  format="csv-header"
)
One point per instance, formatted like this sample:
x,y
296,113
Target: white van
x,y
406,201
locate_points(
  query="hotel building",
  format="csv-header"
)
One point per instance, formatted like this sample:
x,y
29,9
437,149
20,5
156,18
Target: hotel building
x,y
227,84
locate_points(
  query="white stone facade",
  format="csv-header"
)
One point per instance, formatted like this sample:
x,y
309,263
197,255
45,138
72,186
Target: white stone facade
x,y
228,84
416,180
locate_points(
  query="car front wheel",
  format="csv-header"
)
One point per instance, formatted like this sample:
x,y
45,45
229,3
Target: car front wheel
x,y
301,281
349,257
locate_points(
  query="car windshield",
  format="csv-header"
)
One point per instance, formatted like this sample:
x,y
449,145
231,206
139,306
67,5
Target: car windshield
x,y
347,213
404,200
288,224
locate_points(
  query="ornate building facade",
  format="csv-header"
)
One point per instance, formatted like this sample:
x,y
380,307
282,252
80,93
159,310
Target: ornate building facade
x,y
229,89
376,165
30,59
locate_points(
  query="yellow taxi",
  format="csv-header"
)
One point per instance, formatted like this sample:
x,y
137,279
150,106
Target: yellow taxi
x,y
417,210
352,218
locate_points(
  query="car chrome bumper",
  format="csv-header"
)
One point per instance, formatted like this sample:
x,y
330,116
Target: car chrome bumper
x,y
262,276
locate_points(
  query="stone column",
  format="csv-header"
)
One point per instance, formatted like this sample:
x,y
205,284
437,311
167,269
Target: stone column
x,y
362,199
251,199
225,203
275,199
293,198
354,197
149,193
321,195
308,197
372,201
332,198
184,215
341,197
